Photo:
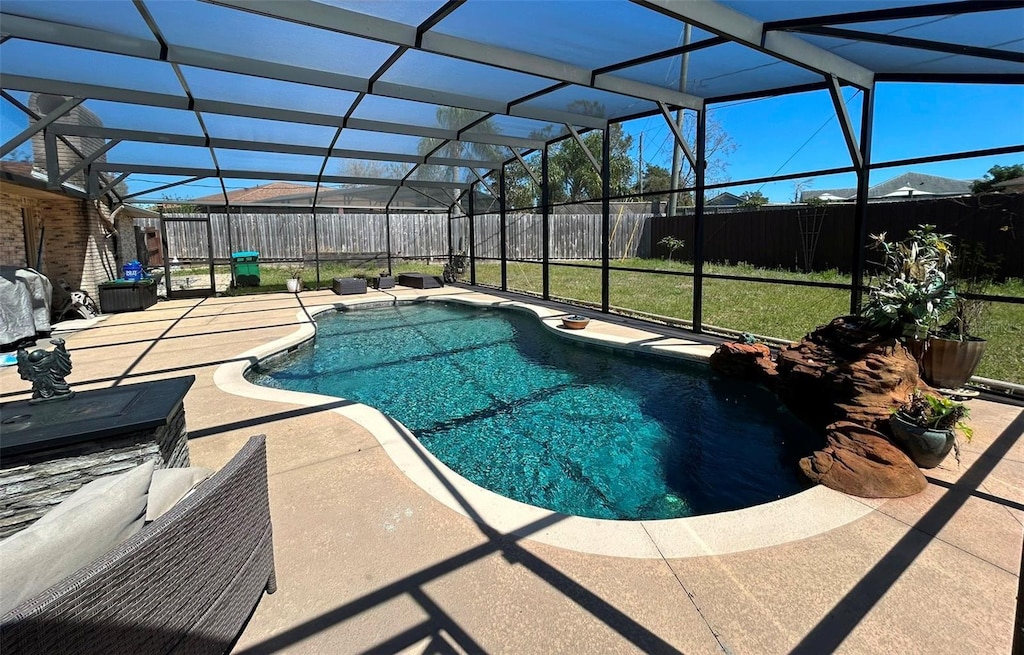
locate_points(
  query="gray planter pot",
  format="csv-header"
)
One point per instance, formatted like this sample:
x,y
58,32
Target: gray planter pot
x,y
927,448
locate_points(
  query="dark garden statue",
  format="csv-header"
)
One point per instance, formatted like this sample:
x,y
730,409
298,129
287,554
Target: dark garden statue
x,y
46,370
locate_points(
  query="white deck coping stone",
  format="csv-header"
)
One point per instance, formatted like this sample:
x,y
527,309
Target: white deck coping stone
x,y
806,514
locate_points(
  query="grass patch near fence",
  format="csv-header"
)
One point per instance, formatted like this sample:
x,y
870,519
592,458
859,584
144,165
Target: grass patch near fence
x,y
273,277
784,312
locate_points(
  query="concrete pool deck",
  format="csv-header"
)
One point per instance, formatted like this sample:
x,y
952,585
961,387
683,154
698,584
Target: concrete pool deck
x,y
380,549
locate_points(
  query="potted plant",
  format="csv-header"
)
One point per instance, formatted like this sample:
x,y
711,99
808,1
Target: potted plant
x,y
459,262
912,292
384,281
575,322
294,281
954,350
926,428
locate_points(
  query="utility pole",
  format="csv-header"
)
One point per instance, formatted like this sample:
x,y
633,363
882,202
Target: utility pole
x,y
677,153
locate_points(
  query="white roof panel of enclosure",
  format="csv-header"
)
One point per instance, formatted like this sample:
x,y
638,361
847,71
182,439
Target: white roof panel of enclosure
x,y
301,90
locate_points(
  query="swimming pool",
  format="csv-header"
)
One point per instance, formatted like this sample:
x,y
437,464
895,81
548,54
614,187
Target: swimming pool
x,y
533,417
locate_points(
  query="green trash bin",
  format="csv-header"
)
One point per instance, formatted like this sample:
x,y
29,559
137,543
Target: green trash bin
x,y
245,267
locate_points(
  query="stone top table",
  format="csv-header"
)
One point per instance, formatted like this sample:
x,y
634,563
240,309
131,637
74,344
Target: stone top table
x,y
50,449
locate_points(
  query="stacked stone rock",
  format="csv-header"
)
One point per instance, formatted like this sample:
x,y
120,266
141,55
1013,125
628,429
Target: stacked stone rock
x,y
845,381
32,483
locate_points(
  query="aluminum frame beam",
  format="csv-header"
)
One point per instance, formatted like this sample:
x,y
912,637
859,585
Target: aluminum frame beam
x,y
99,152
526,167
113,183
92,39
680,140
169,101
487,186
836,93
39,125
265,175
345,21
162,187
897,13
585,149
917,44
743,29
260,146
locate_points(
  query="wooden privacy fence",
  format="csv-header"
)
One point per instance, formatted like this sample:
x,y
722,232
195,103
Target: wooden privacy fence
x,y
290,236
794,237
573,236
821,238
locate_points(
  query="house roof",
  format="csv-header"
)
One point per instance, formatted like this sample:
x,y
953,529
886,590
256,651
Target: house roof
x,y
725,199
905,185
1015,184
257,194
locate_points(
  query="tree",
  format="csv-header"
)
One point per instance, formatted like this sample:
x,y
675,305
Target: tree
x,y
456,118
753,199
995,175
658,178
718,145
574,178
673,244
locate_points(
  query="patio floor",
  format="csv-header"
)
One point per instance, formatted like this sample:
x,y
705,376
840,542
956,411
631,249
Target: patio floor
x,y
371,556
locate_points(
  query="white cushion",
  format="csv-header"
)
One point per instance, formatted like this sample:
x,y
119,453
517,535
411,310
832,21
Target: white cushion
x,y
171,485
88,523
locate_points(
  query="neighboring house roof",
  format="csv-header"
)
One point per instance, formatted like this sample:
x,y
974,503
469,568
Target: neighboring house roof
x,y
907,185
256,194
725,199
22,168
1015,185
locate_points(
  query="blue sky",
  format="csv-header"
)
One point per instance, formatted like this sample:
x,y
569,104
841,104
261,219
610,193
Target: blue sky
x,y
799,133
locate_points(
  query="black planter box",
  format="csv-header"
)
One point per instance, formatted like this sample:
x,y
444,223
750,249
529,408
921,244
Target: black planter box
x,y
344,286
125,296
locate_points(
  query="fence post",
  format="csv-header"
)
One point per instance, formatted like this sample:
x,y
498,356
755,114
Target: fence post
x,y
860,219
698,223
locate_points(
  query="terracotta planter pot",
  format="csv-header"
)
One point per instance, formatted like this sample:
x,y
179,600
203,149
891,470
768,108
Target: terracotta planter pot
x,y
927,448
575,322
948,363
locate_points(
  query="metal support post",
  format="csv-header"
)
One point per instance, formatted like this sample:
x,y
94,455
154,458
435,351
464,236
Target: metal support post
x,y
472,236
502,228
606,216
387,235
860,216
698,222
545,208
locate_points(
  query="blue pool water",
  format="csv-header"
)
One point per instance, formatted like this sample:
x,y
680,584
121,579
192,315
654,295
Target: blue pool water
x,y
536,418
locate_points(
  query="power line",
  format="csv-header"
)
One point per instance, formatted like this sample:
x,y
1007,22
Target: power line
x,y
809,139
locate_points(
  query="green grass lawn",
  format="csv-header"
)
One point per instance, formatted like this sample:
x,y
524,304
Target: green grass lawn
x,y
273,276
784,312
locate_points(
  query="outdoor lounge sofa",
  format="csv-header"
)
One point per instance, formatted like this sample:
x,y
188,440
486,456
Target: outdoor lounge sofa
x,y
186,583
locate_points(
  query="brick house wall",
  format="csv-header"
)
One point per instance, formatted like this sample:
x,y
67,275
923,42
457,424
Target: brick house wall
x,y
75,243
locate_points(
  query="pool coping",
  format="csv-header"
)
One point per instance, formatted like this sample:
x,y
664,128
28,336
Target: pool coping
x,y
803,515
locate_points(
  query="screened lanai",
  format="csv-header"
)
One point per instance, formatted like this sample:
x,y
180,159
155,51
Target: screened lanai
x,y
457,109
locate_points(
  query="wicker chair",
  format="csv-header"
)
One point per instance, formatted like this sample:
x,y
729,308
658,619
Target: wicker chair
x,y
187,583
